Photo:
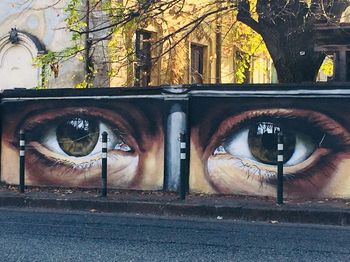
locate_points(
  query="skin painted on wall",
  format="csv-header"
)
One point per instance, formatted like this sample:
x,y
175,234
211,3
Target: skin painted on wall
x,y
63,143
234,146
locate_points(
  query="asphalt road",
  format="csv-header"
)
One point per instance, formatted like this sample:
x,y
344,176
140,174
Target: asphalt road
x,y
38,235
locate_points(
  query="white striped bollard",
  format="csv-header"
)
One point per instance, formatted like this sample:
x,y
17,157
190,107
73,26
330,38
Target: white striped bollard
x,y
104,163
183,158
280,168
21,160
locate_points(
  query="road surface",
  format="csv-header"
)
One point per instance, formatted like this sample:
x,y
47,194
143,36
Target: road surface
x,y
42,235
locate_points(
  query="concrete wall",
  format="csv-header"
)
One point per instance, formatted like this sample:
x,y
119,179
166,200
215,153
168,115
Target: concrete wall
x,y
63,141
230,144
234,145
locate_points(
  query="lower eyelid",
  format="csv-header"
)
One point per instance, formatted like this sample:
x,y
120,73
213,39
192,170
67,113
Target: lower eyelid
x,y
247,166
122,168
57,157
261,171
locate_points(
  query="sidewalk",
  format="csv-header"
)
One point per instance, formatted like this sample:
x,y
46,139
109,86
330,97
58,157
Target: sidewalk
x,y
331,212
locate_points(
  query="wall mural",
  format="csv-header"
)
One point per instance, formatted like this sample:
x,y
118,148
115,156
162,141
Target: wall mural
x,y
233,142
233,148
63,142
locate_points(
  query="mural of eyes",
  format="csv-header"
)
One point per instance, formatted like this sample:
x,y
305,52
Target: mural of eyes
x,y
80,137
64,147
242,154
259,143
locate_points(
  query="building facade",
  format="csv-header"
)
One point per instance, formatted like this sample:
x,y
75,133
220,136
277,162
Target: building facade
x,y
29,29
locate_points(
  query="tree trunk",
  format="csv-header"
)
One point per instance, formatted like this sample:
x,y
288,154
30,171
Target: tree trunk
x,y
293,55
287,28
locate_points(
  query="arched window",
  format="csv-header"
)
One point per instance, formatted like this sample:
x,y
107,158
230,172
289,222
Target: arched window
x,y
16,61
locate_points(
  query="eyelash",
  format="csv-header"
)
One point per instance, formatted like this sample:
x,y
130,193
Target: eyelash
x,y
273,117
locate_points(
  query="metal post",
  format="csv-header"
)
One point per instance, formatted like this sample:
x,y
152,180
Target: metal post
x,y
104,163
183,166
21,160
280,168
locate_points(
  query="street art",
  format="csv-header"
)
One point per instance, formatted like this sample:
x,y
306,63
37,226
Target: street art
x,y
63,143
234,148
232,142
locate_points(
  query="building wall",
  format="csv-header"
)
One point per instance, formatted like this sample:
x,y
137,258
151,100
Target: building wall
x,y
174,67
47,25
44,20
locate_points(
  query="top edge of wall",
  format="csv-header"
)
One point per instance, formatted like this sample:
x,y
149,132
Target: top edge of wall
x,y
307,89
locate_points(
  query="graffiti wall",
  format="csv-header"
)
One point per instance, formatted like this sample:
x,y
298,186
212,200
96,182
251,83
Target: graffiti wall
x,y
63,142
230,140
234,146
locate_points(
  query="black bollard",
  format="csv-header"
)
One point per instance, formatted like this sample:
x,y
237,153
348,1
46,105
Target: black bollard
x,y
183,153
280,168
21,160
104,164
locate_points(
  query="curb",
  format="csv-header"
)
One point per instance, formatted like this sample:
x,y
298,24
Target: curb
x,y
239,212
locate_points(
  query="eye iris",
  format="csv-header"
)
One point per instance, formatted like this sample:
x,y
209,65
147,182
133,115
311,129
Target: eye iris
x,y
78,136
262,141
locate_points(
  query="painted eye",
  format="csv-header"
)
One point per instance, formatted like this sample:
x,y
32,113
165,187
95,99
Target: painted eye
x,y
64,147
81,137
258,142
77,136
242,153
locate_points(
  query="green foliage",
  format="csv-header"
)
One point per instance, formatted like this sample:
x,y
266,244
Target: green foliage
x,y
327,66
43,62
51,61
171,18
244,43
242,64
73,19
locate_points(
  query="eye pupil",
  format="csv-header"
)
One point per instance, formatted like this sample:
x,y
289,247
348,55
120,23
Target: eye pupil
x,y
78,136
262,141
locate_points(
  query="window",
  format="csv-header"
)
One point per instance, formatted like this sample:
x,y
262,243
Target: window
x,y
144,58
197,64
